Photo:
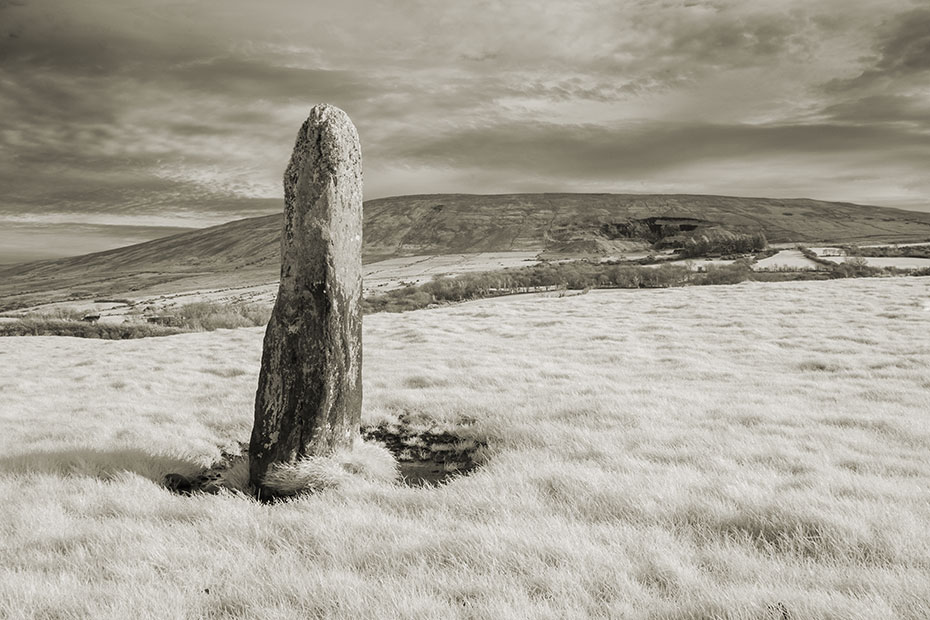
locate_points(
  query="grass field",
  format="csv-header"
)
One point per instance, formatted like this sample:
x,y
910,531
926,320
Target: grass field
x,y
751,451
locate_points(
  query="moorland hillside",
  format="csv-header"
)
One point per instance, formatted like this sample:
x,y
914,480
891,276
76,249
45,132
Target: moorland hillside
x,y
246,251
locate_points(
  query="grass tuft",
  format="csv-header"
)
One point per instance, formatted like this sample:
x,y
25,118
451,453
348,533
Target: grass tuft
x,y
209,316
42,326
199,317
365,462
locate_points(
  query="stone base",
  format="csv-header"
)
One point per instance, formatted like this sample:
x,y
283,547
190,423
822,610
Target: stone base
x,y
425,457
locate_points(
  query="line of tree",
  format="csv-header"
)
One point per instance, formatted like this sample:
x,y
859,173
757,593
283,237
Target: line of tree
x,y
908,251
811,255
732,244
574,275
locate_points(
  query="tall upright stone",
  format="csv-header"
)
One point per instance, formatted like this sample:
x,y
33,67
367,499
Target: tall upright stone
x,y
309,396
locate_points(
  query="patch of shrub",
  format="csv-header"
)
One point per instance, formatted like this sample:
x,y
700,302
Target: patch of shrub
x,y
855,267
126,302
399,300
60,313
208,316
736,244
38,326
767,252
739,271
908,251
546,276
584,275
789,276
813,256
200,316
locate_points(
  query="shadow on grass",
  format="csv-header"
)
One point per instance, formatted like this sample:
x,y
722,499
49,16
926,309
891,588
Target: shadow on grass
x,y
424,458
102,464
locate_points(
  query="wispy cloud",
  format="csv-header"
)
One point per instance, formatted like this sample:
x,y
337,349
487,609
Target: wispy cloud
x,y
167,109
900,51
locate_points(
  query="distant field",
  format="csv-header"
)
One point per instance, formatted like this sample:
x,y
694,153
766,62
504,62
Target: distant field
x,y
752,451
838,255
245,253
388,274
789,259
378,276
900,262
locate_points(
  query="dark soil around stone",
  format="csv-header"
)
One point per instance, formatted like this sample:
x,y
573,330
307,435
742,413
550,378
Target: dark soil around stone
x,y
425,457
210,480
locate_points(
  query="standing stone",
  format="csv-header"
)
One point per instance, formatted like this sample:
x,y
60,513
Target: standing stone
x,y
309,396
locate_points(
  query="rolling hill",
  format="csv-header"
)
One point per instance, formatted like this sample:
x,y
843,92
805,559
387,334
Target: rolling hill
x,y
247,251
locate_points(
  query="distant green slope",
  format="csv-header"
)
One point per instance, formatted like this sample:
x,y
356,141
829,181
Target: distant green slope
x,y
247,251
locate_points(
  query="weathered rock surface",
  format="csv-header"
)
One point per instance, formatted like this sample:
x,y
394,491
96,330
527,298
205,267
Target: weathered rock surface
x,y
309,394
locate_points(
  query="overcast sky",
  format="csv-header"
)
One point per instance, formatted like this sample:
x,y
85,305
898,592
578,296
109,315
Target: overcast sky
x,y
157,112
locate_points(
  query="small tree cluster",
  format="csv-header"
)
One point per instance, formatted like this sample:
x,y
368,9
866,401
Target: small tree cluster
x,y
735,244
855,267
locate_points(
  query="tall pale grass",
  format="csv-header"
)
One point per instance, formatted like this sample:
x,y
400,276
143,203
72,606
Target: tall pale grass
x,y
749,451
208,316
196,316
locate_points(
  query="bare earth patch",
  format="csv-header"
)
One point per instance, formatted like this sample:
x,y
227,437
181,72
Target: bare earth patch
x,y
427,456
424,457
